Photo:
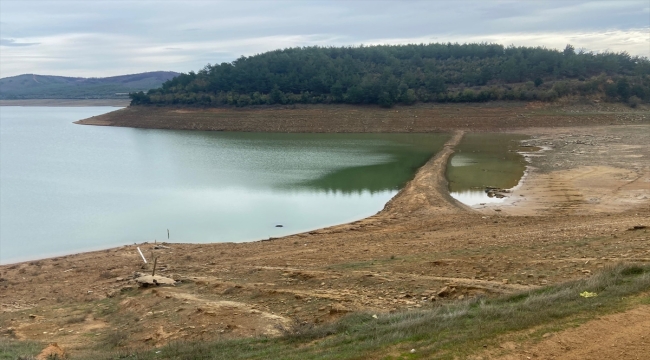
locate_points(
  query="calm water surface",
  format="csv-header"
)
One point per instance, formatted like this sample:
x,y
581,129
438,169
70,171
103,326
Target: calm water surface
x,y
485,160
66,188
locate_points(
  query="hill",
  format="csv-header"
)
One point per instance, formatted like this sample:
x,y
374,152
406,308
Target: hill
x,y
406,74
32,86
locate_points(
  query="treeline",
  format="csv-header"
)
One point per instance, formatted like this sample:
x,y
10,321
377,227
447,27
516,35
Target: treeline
x,y
405,74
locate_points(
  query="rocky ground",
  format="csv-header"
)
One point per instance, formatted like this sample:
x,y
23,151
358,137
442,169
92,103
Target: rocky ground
x,y
584,205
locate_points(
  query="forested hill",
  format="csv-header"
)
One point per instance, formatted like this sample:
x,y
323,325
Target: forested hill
x,y
32,86
406,74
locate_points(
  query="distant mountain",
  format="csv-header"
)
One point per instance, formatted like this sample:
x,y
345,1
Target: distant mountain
x,y
32,86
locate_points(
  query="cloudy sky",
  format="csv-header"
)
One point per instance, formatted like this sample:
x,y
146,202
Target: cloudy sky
x,y
105,38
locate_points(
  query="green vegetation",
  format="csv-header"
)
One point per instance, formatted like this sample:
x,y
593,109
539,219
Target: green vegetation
x,y
440,331
14,349
406,74
31,86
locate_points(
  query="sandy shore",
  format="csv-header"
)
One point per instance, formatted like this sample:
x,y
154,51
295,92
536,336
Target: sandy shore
x,y
570,218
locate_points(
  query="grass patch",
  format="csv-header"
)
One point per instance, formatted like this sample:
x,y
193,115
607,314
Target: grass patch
x,y
14,349
442,332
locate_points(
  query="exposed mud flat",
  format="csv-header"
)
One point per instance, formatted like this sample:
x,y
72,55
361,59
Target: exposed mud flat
x,y
357,119
583,171
423,248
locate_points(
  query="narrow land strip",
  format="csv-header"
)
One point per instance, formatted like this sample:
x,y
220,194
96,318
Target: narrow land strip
x,y
428,192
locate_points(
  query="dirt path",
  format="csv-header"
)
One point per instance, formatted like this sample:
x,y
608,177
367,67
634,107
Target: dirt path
x,y
618,336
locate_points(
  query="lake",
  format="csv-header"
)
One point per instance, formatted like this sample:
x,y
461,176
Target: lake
x,y
67,188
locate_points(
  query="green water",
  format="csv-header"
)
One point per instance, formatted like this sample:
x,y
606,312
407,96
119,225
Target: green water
x,y
484,160
67,188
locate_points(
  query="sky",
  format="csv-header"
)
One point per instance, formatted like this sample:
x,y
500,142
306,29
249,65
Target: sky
x,y
105,38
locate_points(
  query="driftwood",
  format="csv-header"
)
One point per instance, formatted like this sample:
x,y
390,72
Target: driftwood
x,y
140,251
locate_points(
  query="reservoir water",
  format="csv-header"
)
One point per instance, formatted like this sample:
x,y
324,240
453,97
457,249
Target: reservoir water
x,y
485,160
66,188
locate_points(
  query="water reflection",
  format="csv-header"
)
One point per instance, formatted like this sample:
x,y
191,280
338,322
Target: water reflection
x,y
69,188
403,155
485,161
475,197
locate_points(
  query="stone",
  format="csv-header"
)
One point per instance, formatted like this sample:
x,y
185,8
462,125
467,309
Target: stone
x,y
147,280
338,309
446,291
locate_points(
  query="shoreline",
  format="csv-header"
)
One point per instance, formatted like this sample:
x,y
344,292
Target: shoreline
x,y
588,189
584,185
392,208
363,119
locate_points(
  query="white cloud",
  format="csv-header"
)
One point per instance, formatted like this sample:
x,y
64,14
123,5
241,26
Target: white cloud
x,y
103,38
633,41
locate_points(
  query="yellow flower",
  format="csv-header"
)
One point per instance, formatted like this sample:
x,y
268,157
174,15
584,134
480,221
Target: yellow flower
x,y
587,294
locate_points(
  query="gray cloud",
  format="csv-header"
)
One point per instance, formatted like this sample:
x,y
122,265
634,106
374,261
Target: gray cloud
x,y
102,38
12,42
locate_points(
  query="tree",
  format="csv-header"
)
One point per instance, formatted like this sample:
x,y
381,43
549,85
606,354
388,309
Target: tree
x,y
277,96
569,50
623,88
386,100
403,73
139,98
337,91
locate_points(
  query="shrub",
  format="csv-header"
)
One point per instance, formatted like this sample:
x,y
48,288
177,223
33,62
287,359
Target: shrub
x,y
634,101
